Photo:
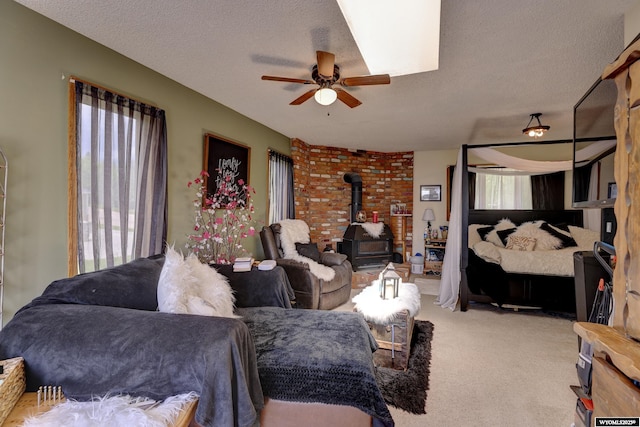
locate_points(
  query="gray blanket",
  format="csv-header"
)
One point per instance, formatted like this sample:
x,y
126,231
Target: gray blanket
x,y
317,356
98,333
94,334
94,351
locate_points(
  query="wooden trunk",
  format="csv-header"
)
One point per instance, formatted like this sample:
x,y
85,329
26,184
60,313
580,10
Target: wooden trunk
x,y
397,335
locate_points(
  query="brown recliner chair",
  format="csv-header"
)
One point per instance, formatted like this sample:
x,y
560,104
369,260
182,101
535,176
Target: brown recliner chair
x,y
311,292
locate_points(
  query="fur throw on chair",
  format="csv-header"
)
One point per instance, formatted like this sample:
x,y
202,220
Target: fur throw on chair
x,y
297,231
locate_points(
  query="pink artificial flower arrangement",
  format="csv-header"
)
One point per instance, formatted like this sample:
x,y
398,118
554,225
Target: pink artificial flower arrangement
x,y
222,219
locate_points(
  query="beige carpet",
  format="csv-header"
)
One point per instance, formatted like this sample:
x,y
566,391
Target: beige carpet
x,y
492,367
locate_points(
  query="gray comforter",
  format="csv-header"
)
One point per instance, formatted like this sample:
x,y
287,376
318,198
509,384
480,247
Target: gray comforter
x,y
94,334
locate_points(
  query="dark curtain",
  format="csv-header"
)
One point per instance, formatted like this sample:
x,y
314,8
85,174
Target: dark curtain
x,y
121,183
581,182
547,191
472,190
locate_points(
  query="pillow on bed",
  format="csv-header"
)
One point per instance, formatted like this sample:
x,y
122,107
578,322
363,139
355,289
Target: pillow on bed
x,y
520,243
544,240
565,236
492,236
504,234
190,287
175,274
477,233
214,294
584,237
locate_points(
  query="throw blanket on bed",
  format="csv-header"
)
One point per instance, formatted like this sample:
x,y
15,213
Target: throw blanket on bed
x,y
94,351
297,231
317,356
93,334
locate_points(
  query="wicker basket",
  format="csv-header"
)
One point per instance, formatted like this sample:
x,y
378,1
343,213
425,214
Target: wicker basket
x,y
12,386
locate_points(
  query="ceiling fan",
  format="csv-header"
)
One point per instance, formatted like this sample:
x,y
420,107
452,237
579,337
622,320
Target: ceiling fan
x,y
325,74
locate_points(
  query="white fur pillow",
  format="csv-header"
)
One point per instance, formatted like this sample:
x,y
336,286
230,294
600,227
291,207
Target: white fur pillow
x,y
584,237
492,236
544,240
215,296
190,287
172,297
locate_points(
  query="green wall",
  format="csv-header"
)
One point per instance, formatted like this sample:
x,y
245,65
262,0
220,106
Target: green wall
x,y
37,56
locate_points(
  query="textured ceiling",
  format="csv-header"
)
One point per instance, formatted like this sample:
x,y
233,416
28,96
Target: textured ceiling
x,y
500,61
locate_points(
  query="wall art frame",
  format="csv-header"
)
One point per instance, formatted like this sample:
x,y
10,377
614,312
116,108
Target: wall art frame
x,y
223,157
430,193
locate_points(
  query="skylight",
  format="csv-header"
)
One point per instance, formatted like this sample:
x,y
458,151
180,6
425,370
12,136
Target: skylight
x,y
395,37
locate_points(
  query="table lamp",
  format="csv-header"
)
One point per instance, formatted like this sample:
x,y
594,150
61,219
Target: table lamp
x,y
428,216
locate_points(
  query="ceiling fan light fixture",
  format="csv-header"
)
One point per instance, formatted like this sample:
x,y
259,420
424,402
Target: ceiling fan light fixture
x,y
325,96
535,131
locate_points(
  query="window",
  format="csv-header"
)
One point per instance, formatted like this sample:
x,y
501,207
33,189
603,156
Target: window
x,y
503,191
281,201
117,179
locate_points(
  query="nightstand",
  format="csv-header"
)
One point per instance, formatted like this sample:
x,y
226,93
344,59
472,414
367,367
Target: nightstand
x,y
433,256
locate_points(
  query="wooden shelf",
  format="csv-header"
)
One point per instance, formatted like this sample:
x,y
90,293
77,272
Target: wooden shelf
x,y
623,352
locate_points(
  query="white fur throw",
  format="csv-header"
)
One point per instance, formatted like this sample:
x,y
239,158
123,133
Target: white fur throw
x,y
492,236
190,287
297,231
113,411
374,229
381,311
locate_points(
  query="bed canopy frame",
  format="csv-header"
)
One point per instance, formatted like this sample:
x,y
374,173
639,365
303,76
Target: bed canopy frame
x,y
453,285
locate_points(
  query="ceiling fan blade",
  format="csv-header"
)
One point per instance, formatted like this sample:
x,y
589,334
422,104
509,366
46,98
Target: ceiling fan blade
x,y
287,79
326,61
305,96
348,99
379,79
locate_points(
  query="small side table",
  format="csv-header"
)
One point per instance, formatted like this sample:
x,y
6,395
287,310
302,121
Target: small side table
x,y
394,341
393,334
433,256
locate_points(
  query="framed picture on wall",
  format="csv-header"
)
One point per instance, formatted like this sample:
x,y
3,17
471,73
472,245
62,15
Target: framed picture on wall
x,y
225,160
430,193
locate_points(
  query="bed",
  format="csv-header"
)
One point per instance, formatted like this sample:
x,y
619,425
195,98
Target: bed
x,y
538,278
99,333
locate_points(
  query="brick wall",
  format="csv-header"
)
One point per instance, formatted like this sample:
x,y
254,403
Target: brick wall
x,y
323,199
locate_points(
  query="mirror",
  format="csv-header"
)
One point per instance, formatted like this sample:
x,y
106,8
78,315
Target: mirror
x,y
594,147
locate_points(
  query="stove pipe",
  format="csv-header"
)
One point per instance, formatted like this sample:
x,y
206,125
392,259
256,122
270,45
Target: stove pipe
x,y
356,193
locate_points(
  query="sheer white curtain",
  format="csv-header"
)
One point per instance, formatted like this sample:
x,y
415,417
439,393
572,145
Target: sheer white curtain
x,y
502,191
281,201
121,178
450,279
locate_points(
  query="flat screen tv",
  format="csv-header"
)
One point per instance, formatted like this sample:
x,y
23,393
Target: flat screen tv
x,y
594,144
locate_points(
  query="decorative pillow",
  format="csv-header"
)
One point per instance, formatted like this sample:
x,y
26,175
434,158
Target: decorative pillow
x,y
175,277
520,243
492,237
504,234
214,294
584,237
309,250
190,287
477,233
544,240
564,236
